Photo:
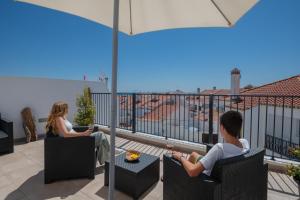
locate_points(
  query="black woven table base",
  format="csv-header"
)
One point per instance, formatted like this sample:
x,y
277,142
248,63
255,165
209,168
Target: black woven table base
x,y
134,178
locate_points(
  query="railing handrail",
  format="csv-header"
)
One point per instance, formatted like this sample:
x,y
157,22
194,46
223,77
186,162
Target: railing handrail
x,y
196,94
195,117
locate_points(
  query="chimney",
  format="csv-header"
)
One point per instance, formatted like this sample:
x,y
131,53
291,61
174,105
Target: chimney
x,y
106,82
235,81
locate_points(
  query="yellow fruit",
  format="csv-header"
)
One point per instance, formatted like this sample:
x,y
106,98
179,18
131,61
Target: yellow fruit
x,y
134,156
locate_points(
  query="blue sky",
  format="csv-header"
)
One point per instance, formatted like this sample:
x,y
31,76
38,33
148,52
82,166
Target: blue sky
x,y
264,44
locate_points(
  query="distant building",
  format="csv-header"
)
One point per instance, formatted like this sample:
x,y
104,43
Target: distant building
x,y
274,117
235,81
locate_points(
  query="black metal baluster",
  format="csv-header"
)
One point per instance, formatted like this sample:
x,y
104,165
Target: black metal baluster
x,y
244,116
99,102
210,122
179,115
119,112
109,102
224,104
106,122
122,110
157,111
108,112
258,122
198,116
166,115
151,114
126,111
218,125
144,117
282,125
184,114
100,108
133,120
170,114
106,109
193,118
128,114
266,127
189,115
175,124
251,121
118,125
166,120
292,116
274,121
147,103
203,120
96,107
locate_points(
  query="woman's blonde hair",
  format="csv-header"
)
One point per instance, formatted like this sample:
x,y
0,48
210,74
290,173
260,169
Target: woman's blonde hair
x,y
59,109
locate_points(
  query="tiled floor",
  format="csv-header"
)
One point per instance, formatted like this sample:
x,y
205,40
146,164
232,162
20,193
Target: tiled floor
x,y
21,178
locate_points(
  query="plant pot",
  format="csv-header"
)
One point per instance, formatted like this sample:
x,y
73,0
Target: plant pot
x,y
84,128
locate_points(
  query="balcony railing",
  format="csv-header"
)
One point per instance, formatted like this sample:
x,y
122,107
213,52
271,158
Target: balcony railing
x,y
272,122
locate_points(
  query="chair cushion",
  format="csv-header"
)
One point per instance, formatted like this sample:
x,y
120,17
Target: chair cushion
x,y
3,135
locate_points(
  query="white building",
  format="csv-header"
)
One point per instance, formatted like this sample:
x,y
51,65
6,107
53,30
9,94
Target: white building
x,y
39,94
276,117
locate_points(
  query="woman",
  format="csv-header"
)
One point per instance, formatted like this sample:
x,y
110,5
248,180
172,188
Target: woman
x,y
58,125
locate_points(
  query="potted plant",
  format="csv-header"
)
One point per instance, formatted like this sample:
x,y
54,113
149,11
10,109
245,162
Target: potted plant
x,y
85,109
294,170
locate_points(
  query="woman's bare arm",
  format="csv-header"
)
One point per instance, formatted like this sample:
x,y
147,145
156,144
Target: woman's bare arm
x,y
61,127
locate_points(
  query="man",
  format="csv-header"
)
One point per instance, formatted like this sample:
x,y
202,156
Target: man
x,y
230,128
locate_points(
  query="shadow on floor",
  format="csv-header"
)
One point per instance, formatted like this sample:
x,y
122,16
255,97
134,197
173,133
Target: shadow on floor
x,y
103,193
34,187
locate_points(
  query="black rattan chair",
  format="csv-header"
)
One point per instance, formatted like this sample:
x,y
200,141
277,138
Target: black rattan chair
x,y
239,178
6,136
69,158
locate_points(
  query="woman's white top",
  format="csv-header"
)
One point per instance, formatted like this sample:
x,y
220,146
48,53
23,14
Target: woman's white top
x,y
221,151
69,127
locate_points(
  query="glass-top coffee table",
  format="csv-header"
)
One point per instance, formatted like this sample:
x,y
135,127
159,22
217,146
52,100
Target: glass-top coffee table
x,y
134,178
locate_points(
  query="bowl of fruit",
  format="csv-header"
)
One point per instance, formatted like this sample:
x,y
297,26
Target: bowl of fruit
x,y
132,156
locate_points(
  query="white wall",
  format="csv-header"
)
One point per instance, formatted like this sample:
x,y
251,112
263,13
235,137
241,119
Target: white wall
x,y
259,130
39,94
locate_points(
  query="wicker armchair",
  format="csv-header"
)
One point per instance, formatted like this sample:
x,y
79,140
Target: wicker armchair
x,y
239,178
6,136
69,158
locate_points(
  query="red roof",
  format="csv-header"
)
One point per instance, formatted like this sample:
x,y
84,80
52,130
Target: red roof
x,y
159,108
216,92
283,89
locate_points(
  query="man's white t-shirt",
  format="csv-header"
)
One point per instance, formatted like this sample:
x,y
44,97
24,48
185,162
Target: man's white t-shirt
x,y
221,151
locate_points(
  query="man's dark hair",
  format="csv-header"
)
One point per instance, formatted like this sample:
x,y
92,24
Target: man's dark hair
x,y
232,122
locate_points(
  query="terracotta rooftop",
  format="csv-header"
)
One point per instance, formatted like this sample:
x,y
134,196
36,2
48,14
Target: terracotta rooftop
x,y
216,92
200,116
284,88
